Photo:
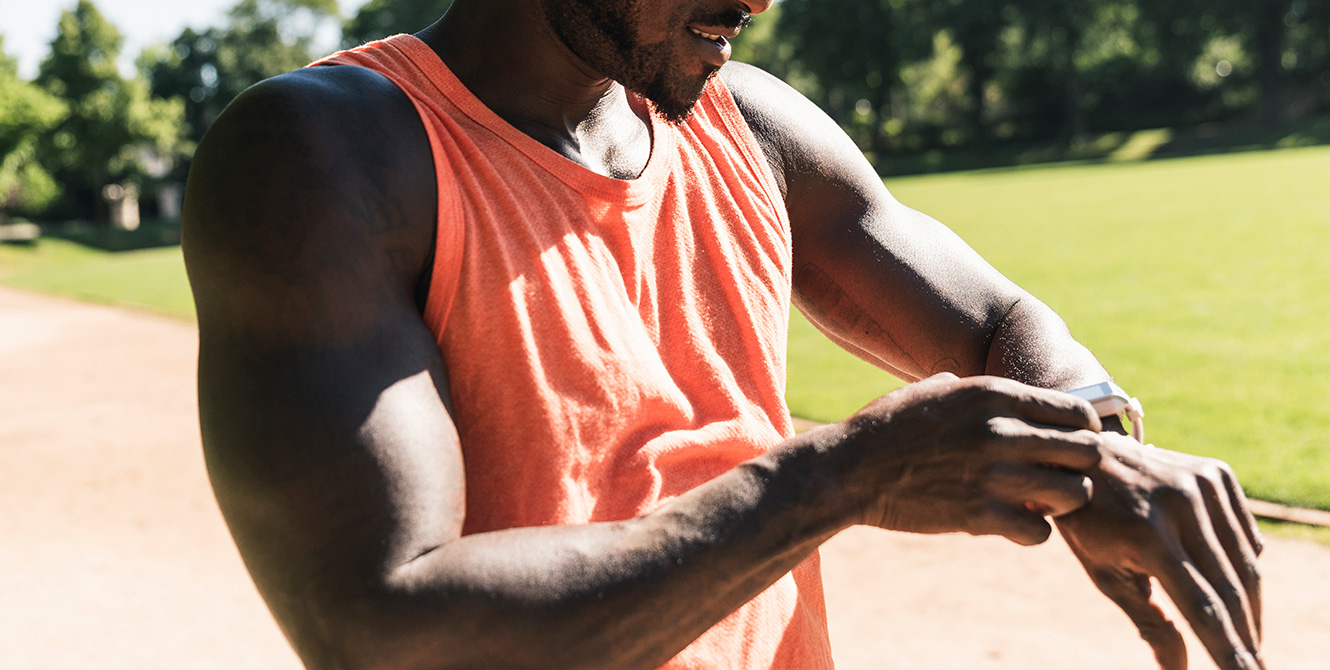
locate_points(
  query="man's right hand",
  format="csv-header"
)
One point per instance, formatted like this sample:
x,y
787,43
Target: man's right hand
x,y
982,455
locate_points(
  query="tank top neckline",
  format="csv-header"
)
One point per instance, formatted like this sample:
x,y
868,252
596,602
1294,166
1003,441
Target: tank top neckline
x,y
575,175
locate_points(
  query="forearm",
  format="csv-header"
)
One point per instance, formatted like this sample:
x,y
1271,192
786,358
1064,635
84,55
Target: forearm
x,y
347,512
615,595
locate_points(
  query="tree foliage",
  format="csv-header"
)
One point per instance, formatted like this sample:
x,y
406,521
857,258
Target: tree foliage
x,y
856,49
902,76
206,69
377,19
26,113
114,129
908,75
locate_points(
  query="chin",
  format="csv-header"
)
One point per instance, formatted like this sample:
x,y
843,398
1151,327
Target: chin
x,y
673,99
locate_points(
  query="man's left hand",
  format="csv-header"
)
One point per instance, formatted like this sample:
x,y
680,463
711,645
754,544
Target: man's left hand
x,y
1182,520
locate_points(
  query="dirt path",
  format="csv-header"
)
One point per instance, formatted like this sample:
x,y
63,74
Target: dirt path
x,y
113,555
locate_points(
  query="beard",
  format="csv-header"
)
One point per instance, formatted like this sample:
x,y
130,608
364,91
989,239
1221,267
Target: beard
x,y
602,33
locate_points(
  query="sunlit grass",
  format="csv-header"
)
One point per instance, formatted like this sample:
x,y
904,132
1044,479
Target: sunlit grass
x,y
150,279
1201,283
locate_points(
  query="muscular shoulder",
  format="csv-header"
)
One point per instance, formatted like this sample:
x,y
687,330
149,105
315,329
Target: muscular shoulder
x,y
320,113
817,164
800,140
313,179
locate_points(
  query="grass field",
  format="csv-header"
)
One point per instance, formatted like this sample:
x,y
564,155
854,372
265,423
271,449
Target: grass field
x,y
1199,282
148,279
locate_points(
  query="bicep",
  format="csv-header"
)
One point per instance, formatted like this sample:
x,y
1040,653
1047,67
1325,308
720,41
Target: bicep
x,y
333,467
321,392
886,282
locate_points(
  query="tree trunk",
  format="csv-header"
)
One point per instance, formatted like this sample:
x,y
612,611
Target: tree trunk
x,y
980,74
1077,122
1269,57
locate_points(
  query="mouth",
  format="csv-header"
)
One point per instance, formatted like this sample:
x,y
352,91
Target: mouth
x,y
720,27
713,34
718,39
713,48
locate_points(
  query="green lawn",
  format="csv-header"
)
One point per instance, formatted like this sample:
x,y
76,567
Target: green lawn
x,y
149,279
1200,283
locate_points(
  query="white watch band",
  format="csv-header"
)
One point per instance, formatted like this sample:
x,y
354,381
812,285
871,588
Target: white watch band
x,y
1108,399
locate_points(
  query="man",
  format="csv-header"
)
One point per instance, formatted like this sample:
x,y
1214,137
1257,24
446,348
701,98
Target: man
x,y
492,329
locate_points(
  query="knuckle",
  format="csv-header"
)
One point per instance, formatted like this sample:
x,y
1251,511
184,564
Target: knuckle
x,y
971,391
1208,608
987,383
1178,495
1235,659
1088,440
1085,492
1214,470
989,389
997,427
1230,593
1250,573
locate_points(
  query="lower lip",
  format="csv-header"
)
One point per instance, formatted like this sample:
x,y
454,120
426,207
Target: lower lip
x,y
714,53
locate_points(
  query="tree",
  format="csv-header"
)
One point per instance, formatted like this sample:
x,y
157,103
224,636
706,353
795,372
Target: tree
x,y
380,18
26,113
114,126
186,70
1268,25
207,69
1287,38
881,35
1063,25
1310,42
1287,43
976,27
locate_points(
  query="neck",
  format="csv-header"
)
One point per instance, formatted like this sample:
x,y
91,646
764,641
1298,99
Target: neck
x,y
506,54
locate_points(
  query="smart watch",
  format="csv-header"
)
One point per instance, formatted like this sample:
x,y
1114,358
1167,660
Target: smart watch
x,y
1108,399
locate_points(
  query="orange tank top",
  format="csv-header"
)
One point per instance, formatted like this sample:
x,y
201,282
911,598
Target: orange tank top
x,y
611,344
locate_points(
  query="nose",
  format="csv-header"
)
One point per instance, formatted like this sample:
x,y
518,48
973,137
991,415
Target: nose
x,y
757,6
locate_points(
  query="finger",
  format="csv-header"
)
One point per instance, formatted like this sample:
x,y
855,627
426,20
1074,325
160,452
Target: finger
x,y
1205,612
1247,521
1131,593
1045,406
1226,527
1017,524
1211,563
1039,445
1039,489
1238,500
